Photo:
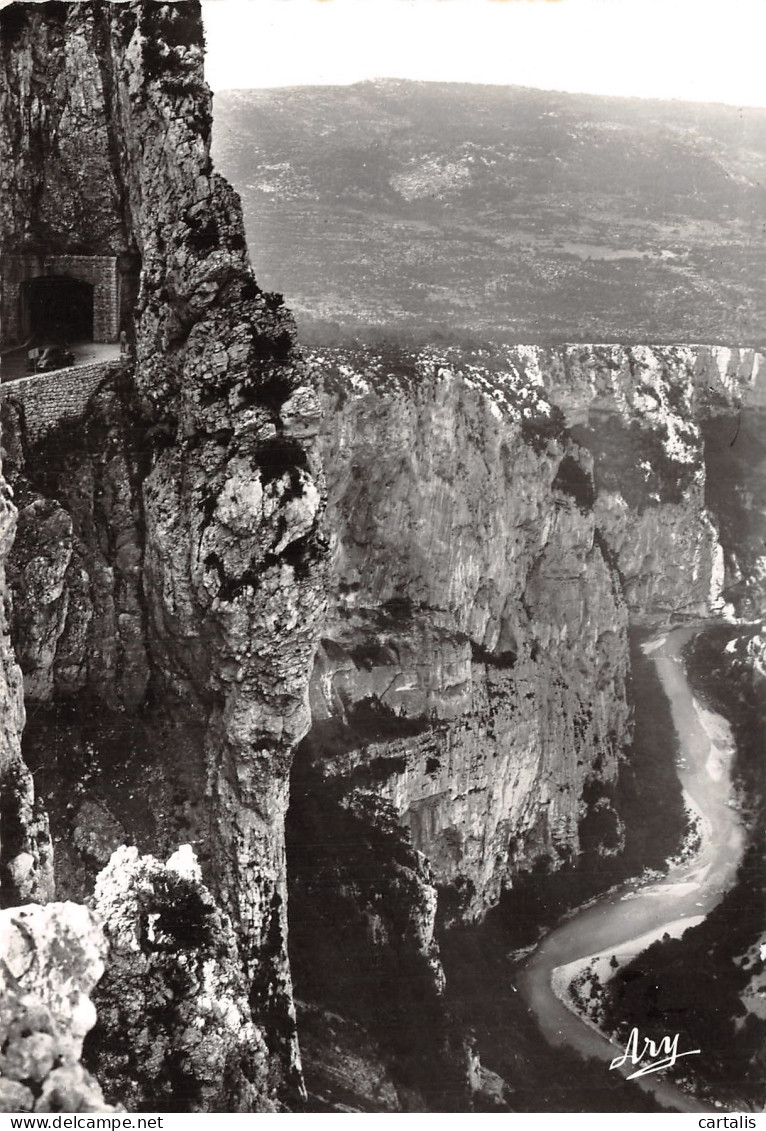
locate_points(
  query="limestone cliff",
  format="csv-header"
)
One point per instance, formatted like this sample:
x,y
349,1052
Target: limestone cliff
x,y
169,564
497,517
25,849
649,413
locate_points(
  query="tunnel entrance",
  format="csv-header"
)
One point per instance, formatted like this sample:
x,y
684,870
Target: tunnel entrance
x,y
57,308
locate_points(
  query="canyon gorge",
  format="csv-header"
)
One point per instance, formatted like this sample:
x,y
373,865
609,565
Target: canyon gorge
x,y
309,656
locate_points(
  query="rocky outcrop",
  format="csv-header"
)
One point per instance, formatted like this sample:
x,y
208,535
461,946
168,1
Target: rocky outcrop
x,y
50,959
170,541
175,1030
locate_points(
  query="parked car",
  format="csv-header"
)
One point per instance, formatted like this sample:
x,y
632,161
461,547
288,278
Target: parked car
x,y
54,357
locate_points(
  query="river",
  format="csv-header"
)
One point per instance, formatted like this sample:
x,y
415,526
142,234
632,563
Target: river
x,y
628,920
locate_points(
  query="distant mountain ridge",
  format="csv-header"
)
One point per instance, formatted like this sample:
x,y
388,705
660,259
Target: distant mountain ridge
x,y
437,210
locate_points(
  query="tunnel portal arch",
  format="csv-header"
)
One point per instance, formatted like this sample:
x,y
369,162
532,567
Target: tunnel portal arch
x,y
96,314
57,308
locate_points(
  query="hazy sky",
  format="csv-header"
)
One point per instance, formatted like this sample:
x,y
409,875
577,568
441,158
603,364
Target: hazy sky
x,y
704,50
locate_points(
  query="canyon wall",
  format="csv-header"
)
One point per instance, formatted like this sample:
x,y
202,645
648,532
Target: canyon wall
x,y
497,517
169,555
26,867
653,416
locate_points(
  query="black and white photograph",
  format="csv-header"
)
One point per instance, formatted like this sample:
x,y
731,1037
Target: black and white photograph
x,y
382,559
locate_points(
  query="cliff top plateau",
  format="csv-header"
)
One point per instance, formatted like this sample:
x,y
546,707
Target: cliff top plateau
x,y
420,211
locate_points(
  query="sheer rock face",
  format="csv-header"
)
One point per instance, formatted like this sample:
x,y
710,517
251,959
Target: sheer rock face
x,y
475,653
185,515
25,851
72,201
75,573
488,553
640,409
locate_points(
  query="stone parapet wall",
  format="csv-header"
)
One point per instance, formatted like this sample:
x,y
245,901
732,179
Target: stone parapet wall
x,y
47,399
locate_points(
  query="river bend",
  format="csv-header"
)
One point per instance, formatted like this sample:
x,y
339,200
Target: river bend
x,y
626,921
